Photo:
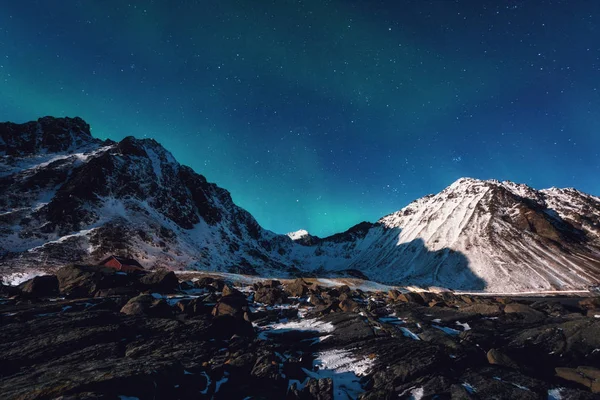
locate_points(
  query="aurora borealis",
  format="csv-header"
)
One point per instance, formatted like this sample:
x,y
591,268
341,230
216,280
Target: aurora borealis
x,y
320,114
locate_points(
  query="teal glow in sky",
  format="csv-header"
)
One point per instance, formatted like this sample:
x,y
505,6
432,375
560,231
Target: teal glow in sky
x,y
320,114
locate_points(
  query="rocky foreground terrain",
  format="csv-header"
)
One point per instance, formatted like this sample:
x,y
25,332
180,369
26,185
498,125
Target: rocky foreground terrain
x,y
93,333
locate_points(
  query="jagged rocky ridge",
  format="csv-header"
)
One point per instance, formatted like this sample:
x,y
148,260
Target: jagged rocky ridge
x,y
67,197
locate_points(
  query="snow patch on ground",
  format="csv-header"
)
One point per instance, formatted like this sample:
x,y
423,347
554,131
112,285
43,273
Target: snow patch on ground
x,y
408,333
469,387
305,325
416,394
344,369
555,394
465,326
17,278
446,330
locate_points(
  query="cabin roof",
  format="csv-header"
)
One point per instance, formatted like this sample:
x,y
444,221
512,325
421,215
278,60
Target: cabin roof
x,y
123,261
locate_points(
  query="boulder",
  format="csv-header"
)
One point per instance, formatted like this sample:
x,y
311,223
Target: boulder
x,y
497,357
315,389
85,280
570,341
147,305
410,297
231,291
266,367
316,300
162,281
323,310
195,307
218,284
591,303
224,327
123,291
203,282
486,310
586,376
298,288
344,289
235,306
271,283
528,314
393,294
40,286
270,295
8,291
348,305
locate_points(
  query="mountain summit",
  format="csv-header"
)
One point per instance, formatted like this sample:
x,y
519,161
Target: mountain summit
x,y
67,197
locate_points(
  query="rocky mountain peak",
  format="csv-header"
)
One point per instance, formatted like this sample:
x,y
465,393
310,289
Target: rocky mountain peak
x,y
299,234
46,135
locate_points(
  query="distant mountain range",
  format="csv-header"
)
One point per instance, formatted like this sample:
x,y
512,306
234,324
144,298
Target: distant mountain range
x,y
68,197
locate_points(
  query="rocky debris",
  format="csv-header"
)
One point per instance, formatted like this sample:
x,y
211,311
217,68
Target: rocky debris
x,y
40,286
208,338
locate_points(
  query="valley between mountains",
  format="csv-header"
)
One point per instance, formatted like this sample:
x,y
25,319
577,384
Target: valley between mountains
x,y
66,197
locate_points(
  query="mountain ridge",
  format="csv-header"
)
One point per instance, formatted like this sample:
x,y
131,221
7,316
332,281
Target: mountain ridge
x,y
68,197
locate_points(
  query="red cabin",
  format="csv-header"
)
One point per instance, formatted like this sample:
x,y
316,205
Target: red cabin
x,y
122,264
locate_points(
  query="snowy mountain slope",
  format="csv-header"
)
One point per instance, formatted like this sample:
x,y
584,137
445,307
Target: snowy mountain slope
x,y
92,198
497,236
67,197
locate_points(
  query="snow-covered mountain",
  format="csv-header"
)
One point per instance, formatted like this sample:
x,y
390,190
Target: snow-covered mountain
x,y
80,199
67,197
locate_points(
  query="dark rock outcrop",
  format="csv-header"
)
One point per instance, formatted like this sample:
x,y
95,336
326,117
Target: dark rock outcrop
x,y
40,286
162,281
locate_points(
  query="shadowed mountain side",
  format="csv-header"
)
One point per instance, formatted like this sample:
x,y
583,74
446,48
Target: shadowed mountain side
x,y
413,263
381,257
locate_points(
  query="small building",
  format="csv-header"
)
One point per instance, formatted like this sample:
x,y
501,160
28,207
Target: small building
x,y
122,264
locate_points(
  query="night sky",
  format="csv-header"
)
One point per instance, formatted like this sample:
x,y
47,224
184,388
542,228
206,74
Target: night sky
x,y
319,114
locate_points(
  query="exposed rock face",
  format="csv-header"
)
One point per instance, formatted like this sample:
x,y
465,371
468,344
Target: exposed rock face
x,y
67,197
46,135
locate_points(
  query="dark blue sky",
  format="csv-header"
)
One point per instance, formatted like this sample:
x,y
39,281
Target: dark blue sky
x,y
320,114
